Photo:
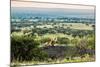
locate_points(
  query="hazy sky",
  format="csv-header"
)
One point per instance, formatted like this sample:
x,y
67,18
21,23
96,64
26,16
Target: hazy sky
x,y
47,5
88,2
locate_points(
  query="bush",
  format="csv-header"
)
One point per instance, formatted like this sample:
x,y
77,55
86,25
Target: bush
x,y
44,40
74,41
81,47
24,48
86,46
63,40
38,54
91,43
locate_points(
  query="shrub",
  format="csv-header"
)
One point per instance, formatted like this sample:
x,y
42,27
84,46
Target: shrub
x,y
86,46
22,48
74,41
38,54
44,40
91,43
63,40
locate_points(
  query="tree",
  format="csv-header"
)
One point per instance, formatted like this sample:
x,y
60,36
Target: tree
x,y
22,46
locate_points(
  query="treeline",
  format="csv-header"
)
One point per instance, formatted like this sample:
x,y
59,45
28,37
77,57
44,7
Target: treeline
x,y
68,31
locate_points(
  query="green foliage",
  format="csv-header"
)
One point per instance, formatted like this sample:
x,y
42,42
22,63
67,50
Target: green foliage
x,y
91,43
87,43
74,41
44,40
86,46
29,48
25,48
38,55
82,44
63,40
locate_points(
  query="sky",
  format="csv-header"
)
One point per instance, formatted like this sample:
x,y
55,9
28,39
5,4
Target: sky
x,y
88,2
52,9
48,5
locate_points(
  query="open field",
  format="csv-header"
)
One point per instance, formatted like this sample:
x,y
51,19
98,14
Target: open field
x,y
79,26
